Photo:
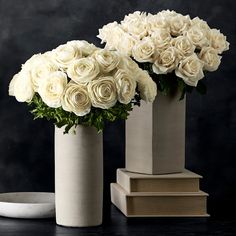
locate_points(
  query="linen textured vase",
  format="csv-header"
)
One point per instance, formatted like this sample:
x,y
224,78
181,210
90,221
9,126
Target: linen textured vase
x,y
78,177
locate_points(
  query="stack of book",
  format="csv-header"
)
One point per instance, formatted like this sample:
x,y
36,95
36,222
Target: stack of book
x,y
167,195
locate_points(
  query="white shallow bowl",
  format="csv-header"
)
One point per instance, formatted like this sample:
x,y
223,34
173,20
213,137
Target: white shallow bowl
x,y
27,205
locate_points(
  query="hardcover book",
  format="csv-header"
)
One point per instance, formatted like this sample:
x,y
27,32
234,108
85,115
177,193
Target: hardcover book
x,y
179,182
192,204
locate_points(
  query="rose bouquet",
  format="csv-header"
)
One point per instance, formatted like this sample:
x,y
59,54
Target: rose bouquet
x,y
175,49
78,83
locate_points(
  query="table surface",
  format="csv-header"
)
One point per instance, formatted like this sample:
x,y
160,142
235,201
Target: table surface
x,y
115,223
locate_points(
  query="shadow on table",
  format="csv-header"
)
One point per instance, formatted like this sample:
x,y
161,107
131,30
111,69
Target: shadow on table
x,y
115,223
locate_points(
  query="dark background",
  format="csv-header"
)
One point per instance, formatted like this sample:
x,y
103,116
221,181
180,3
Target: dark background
x,y
26,146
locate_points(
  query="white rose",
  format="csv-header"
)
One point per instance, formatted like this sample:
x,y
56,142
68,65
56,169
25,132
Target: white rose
x,y
125,85
184,45
11,87
156,22
134,17
190,70
144,50
161,39
126,44
39,66
166,61
115,37
111,34
146,86
83,70
65,54
107,60
102,92
218,41
76,99
106,32
21,87
210,58
126,63
82,45
135,24
167,14
196,21
179,24
51,90
197,36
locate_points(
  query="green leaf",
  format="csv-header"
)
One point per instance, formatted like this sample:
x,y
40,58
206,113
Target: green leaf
x,y
96,118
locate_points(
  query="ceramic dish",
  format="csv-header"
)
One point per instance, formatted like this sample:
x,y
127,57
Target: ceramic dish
x,y
27,205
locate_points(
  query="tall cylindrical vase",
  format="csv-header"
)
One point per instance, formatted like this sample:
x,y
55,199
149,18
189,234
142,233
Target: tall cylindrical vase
x,y
155,136
78,177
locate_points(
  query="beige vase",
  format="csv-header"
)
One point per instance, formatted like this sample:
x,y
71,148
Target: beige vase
x,y
155,136
78,177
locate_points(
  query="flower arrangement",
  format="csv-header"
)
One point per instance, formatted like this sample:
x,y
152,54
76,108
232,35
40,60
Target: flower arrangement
x,y
78,83
175,49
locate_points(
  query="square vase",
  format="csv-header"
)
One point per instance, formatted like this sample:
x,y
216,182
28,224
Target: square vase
x,y
155,136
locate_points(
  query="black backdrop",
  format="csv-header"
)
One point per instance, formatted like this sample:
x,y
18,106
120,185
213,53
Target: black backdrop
x,y
26,146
